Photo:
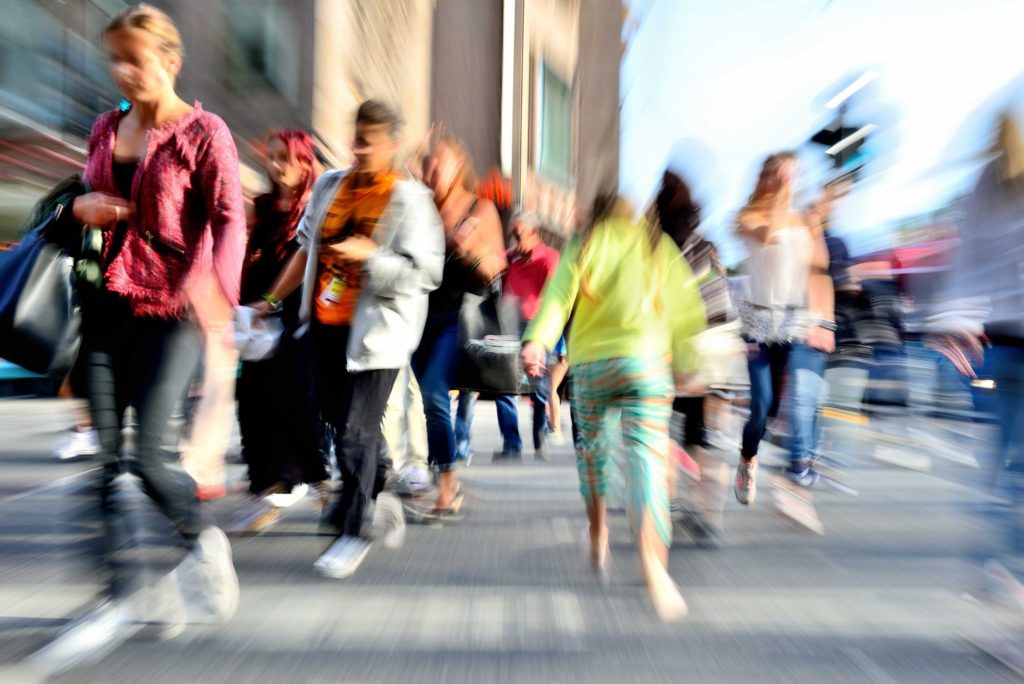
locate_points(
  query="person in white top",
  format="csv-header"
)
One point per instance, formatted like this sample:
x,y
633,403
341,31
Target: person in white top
x,y
787,319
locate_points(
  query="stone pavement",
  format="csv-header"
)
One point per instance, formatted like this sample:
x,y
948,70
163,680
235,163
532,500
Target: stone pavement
x,y
503,596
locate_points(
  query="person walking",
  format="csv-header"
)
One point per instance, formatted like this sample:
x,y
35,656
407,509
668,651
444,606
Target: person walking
x,y
531,263
166,192
635,308
787,320
474,258
277,413
371,249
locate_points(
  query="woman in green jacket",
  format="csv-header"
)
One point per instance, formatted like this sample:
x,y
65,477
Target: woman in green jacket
x,y
635,308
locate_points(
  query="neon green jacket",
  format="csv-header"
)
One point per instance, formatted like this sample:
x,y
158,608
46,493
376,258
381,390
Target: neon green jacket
x,y
644,304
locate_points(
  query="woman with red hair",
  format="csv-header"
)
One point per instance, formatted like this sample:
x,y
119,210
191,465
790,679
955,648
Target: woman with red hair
x,y
276,415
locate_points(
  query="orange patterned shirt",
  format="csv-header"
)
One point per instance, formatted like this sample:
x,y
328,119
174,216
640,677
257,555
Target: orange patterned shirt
x,y
355,211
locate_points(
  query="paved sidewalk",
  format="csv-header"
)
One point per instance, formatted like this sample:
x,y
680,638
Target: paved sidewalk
x,y
503,595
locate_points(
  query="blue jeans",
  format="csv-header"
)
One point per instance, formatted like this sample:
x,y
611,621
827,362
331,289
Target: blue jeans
x,y
435,364
1006,467
464,424
508,413
806,368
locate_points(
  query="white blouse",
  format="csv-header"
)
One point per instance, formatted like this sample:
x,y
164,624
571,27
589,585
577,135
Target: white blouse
x,y
775,310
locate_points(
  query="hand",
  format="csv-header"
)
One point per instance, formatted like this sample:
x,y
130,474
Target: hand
x,y
534,359
263,308
356,249
962,348
687,384
101,210
821,339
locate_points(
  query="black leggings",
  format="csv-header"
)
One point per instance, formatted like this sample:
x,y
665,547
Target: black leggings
x,y
145,363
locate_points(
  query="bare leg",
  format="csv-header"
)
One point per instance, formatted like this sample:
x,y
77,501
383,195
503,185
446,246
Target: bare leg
x,y
447,489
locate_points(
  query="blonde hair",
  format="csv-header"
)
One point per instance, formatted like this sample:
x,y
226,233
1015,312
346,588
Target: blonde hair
x,y
1010,144
769,169
154,22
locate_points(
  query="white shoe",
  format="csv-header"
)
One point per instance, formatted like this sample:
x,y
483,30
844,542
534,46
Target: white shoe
x,y
343,558
78,443
290,499
413,480
745,485
207,578
87,640
389,520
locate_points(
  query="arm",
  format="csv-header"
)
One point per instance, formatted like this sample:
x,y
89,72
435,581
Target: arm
x,y
821,300
414,263
755,226
225,209
557,299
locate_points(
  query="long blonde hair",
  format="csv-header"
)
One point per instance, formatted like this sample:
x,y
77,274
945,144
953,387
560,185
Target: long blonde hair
x,y
764,193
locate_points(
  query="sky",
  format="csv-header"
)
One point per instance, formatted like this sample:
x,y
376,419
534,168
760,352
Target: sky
x,y
710,87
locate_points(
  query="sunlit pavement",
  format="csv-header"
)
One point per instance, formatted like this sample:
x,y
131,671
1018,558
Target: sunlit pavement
x,y
503,595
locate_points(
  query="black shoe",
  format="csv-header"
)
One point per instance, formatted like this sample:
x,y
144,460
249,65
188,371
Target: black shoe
x,y
507,455
705,535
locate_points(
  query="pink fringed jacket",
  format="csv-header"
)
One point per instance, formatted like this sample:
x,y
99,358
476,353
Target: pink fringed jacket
x,y
189,219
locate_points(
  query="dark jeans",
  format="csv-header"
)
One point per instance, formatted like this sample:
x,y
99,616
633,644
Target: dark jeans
x,y
353,403
805,368
435,364
145,363
508,413
278,418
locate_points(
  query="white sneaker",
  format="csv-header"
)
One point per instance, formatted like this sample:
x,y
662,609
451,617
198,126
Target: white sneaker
x,y
289,499
745,486
389,520
412,481
87,640
207,578
343,558
78,443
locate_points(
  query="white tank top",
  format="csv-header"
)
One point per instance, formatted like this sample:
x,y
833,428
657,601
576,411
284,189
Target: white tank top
x,y
779,271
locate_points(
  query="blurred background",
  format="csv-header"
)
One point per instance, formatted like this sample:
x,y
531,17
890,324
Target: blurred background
x,y
893,102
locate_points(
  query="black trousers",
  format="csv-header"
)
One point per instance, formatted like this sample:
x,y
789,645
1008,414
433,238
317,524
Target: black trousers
x,y
278,418
354,404
145,363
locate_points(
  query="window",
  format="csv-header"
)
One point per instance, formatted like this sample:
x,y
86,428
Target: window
x,y
555,131
263,46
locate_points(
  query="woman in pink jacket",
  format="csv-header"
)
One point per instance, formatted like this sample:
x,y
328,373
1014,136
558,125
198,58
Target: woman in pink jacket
x,y
167,196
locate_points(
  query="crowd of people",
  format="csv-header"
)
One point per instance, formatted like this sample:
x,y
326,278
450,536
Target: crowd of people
x,y
368,270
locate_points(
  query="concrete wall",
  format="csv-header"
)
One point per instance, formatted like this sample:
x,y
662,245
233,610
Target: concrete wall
x,y
466,74
378,49
597,83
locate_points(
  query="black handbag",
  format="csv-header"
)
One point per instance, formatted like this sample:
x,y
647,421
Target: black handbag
x,y
491,346
39,316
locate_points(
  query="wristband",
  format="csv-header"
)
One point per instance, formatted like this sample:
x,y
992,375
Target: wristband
x,y
273,300
826,324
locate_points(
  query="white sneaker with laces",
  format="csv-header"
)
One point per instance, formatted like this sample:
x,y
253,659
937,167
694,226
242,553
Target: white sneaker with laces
x,y
207,578
343,558
745,485
78,443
